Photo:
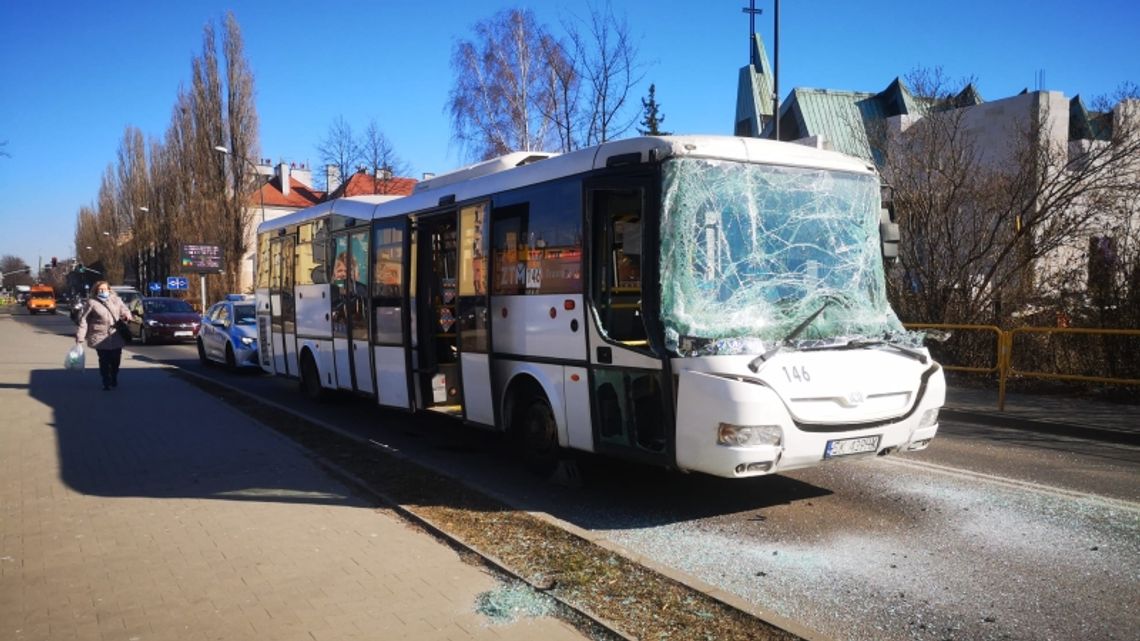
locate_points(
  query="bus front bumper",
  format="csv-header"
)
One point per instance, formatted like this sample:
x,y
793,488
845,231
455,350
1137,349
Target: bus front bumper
x,y
733,428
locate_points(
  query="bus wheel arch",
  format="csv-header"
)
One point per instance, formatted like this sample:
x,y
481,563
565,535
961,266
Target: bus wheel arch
x,y
531,424
310,376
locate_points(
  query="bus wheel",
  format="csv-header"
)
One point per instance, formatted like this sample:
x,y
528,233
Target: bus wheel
x,y
311,378
537,435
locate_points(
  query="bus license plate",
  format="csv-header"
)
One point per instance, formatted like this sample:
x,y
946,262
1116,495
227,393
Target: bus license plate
x,y
858,445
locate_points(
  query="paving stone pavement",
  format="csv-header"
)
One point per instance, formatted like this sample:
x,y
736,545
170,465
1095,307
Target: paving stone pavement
x,y
155,512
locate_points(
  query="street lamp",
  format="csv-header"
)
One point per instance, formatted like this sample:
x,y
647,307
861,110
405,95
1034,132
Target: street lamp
x,y
261,193
143,271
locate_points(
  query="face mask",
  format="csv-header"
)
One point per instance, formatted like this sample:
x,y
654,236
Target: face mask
x,y
103,295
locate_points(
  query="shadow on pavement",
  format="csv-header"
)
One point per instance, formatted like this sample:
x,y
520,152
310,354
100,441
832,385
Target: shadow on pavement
x,y
156,437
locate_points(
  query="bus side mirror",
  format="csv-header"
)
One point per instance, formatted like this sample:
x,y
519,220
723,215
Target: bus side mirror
x,y
889,236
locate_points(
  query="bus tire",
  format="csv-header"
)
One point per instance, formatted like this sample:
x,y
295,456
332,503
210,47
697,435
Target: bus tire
x,y
311,378
536,434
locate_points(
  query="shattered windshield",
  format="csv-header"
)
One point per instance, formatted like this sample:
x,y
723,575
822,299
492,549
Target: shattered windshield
x,y
750,253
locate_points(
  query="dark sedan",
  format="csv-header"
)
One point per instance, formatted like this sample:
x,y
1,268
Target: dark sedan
x,y
159,318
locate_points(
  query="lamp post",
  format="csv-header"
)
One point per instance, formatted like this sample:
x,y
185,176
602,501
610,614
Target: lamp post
x,y
261,194
143,272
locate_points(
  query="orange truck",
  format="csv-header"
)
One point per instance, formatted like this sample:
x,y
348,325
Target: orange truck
x,y
41,298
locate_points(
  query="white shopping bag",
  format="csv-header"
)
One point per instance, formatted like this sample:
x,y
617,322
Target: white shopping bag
x,y
76,359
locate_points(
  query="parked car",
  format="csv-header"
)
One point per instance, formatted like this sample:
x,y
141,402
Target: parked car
x,y
162,318
229,333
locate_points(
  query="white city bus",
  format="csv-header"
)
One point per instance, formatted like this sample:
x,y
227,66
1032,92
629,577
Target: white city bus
x,y
710,304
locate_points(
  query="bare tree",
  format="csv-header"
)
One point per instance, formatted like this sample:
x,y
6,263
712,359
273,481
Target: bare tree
x,y
107,229
14,271
211,187
189,193
10,263
563,84
173,170
340,149
607,60
989,229
380,157
242,141
498,102
132,189
18,272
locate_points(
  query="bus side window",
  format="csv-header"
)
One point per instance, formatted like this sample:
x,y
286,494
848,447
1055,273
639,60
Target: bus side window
x,y
617,272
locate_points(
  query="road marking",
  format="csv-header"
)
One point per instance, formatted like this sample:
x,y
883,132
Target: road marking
x,y
1104,501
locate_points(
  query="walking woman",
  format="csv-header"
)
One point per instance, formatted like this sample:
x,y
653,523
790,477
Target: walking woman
x,y
97,329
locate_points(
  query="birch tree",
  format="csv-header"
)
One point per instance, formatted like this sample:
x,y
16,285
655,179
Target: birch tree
x,y
498,103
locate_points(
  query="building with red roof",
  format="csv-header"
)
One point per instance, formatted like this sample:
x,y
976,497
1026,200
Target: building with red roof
x,y
383,183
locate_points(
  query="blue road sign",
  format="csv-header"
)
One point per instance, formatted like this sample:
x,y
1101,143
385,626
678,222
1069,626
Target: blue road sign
x,y
154,287
177,282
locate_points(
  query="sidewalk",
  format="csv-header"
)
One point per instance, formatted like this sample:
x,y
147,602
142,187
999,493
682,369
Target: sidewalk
x,y
1063,415
155,512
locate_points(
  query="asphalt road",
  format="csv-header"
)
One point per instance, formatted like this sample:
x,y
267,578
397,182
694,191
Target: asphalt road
x,y
991,533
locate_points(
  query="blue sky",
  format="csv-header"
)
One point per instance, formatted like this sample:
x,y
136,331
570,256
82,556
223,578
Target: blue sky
x,y
74,74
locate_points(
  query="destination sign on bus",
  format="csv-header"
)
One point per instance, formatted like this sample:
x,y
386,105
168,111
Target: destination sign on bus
x,y
202,259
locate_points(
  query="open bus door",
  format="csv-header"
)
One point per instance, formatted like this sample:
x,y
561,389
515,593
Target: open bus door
x,y
452,354
436,356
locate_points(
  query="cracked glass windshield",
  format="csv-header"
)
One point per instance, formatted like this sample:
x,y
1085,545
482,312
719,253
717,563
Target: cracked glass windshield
x,y
749,252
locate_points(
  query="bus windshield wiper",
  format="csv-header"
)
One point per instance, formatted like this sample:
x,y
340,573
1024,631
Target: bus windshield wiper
x,y
783,342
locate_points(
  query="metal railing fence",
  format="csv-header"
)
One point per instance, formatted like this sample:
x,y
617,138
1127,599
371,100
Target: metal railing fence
x,y
1047,353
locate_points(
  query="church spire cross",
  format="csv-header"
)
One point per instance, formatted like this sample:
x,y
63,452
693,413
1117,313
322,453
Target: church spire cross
x,y
752,12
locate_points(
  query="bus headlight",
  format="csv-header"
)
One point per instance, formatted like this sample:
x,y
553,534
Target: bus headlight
x,y
929,418
748,435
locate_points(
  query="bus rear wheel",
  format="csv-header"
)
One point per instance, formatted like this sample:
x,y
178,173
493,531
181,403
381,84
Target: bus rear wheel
x,y
537,435
311,378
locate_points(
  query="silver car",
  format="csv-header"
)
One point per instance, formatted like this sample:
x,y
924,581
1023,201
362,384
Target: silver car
x,y
229,334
